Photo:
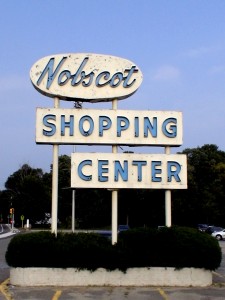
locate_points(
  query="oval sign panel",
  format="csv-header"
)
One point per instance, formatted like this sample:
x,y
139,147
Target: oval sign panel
x,y
86,77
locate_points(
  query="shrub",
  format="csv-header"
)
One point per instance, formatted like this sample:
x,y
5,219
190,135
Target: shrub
x,y
177,247
168,247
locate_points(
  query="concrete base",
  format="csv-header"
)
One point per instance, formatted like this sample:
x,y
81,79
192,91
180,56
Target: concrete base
x,y
101,277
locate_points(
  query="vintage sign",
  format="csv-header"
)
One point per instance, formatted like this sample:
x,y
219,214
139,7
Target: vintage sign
x,y
128,171
86,77
108,127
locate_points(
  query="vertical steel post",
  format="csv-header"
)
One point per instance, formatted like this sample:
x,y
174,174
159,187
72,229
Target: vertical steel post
x,y
55,173
114,197
13,219
73,210
168,213
73,203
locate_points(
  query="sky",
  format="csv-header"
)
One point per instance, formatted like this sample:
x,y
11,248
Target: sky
x,y
179,47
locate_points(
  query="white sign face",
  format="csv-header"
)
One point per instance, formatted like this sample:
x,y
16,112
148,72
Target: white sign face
x,y
108,127
86,77
128,171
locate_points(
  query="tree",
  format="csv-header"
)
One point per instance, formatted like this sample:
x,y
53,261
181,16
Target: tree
x,y
93,208
141,208
64,190
28,193
204,200
28,190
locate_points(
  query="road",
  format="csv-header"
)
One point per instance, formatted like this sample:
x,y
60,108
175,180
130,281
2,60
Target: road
x,y
9,292
4,229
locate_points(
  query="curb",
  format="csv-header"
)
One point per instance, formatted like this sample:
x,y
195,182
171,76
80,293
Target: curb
x,y
156,276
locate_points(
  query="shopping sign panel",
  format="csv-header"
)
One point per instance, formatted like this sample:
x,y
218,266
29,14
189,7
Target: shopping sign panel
x,y
108,127
128,171
86,77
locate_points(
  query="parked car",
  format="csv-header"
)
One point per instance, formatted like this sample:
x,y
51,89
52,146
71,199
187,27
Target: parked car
x,y
123,228
202,227
212,229
219,235
161,226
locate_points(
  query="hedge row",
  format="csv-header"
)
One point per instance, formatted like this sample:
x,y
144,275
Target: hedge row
x,y
177,247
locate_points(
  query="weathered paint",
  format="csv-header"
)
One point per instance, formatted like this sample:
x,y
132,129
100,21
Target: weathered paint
x,y
133,171
86,77
108,127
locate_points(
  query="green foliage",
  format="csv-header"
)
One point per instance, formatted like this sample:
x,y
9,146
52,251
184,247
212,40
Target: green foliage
x,y
43,249
206,188
170,247
28,193
28,190
167,247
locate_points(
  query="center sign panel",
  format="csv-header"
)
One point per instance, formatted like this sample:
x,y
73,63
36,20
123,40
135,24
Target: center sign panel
x,y
128,171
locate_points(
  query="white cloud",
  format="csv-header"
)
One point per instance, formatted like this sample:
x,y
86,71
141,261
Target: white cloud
x,y
166,72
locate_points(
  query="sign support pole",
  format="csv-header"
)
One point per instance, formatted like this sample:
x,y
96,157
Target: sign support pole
x,y
73,210
168,199
55,171
114,197
77,105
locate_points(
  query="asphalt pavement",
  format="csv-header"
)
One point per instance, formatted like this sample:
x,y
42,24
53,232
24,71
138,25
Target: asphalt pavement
x,y
10,292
